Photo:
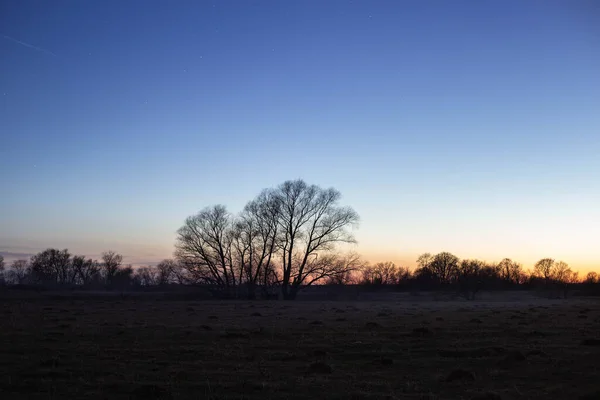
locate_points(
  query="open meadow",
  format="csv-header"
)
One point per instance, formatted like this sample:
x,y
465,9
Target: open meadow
x,y
145,348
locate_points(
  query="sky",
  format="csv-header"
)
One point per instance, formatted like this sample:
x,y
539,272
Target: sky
x,y
464,126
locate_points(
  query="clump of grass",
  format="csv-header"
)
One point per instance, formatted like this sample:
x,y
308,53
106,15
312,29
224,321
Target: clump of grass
x,y
288,357
536,333
385,361
472,353
235,335
316,322
319,367
476,321
320,353
421,332
537,352
256,314
511,359
151,391
487,396
213,317
372,325
460,374
52,362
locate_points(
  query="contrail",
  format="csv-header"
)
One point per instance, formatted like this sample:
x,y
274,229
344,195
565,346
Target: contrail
x,y
29,45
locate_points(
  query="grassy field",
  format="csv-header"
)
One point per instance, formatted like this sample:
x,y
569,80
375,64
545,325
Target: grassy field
x,y
146,349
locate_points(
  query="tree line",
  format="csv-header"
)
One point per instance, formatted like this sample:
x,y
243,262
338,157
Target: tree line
x,y
59,268
445,271
442,271
284,240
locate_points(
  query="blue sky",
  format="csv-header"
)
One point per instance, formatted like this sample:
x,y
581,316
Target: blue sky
x,y
465,126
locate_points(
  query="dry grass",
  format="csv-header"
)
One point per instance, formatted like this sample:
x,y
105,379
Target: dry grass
x,y
148,349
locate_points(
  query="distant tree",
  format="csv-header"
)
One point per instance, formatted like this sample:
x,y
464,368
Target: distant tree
x,y
591,278
18,272
387,273
555,275
310,225
543,269
470,276
561,272
147,276
424,278
524,277
564,277
384,273
111,263
444,267
510,271
52,266
122,278
424,260
166,272
170,271
1,263
86,271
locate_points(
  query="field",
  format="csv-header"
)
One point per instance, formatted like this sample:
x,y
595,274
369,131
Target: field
x,y
127,348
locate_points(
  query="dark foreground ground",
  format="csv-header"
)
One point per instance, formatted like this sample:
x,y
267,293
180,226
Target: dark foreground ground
x,y
116,348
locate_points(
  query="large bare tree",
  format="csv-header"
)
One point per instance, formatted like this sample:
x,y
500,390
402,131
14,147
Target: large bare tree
x,y
285,236
204,248
311,224
255,241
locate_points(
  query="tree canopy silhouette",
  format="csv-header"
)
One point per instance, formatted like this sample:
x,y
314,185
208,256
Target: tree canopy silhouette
x,y
286,235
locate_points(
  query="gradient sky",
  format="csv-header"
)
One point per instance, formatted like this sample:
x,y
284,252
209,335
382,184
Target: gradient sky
x,y
467,126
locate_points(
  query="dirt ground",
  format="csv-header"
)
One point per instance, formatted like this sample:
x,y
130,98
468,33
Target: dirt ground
x,y
118,348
